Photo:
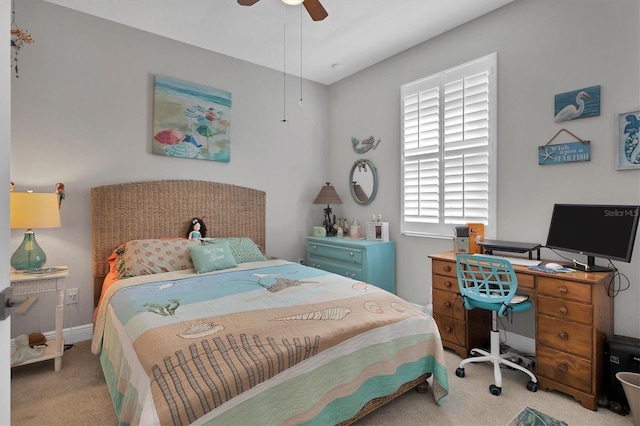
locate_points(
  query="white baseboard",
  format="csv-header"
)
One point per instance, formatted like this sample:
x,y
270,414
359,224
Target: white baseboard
x,y
70,335
520,343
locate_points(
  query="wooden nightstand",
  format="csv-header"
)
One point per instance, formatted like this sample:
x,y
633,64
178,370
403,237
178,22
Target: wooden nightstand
x,y
373,262
28,284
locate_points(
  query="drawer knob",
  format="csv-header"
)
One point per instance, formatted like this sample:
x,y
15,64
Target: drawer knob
x,y
447,304
562,290
563,309
563,368
448,329
448,284
351,253
447,268
563,335
315,247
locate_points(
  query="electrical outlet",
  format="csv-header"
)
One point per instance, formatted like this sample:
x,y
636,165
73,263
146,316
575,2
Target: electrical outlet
x,y
72,296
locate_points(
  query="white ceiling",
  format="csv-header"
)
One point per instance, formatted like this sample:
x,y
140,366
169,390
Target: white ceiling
x,y
355,35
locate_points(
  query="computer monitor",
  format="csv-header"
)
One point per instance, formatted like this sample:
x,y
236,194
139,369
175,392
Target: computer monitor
x,y
606,231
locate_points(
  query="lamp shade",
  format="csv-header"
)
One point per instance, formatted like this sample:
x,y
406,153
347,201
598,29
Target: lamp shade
x,y
31,210
327,195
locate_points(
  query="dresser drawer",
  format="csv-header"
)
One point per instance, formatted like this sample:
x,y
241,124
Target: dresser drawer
x,y
563,368
448,304
565,289
344,254
451,330
444,268
445,283
565,336
346,270
565,309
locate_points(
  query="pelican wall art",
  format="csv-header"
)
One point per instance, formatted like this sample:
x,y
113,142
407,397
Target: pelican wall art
x,y
580,103
191,121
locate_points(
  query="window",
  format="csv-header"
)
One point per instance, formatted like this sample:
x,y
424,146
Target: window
x,y
449,150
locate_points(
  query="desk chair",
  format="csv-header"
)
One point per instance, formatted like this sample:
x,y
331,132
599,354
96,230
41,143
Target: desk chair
x,y
487,282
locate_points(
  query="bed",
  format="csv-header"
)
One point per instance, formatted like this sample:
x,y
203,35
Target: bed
x,y
237,337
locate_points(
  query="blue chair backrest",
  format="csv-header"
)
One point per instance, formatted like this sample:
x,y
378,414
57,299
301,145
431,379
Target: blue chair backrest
x,y
486,282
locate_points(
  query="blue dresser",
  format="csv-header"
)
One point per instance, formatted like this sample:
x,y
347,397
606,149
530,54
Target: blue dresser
x,y
373,262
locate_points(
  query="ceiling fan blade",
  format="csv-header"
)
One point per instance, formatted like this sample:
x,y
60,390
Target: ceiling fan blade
x,y
315,9
247,2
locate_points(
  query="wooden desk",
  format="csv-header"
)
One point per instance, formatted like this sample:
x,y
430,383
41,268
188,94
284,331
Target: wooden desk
x,y
574,317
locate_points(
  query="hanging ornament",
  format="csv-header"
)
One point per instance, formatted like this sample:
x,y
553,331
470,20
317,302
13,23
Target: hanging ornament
x,y
18,39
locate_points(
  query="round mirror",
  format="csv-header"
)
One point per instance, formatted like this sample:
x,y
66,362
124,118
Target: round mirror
x,y
363,181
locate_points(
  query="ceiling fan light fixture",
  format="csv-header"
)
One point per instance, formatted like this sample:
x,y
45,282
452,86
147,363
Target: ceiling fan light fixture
x,y
292,2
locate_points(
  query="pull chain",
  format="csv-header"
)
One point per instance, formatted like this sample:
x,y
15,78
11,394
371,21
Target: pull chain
x,y
284,65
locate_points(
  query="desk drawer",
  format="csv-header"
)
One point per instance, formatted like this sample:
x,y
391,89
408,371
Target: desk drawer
x,y
451,330
565,336
448,304
563,368
566,289
565,309
525,281
343,254
444,268
442,282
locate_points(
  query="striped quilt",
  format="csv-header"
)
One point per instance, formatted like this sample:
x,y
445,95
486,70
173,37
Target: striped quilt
x,y
265,343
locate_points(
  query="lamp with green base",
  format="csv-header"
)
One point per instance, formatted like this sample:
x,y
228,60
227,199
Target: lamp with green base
x,y
30,210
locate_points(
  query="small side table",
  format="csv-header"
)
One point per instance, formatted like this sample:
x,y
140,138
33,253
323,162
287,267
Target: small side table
x,y
26,284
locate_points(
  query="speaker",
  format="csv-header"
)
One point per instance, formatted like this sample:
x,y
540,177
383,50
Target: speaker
x,y
622,353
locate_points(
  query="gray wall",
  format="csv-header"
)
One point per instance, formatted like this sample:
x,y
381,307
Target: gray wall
x,y
81,114
544,47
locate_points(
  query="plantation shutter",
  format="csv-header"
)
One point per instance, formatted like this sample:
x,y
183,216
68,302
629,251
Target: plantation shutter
x,y
448,148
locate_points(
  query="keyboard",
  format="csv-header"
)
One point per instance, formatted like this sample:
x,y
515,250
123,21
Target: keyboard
x,y
521,261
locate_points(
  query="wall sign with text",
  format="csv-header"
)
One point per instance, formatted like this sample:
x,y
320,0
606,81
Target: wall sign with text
x,y
569,152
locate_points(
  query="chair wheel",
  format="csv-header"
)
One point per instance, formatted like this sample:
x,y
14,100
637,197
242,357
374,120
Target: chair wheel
x,y
495,390
532,386
460,372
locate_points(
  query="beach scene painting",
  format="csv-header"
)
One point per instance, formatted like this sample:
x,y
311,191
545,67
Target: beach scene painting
x,y
191,120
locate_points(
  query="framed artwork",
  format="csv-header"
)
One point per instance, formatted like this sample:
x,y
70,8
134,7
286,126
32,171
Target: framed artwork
x,y
628,142
581,103
191,120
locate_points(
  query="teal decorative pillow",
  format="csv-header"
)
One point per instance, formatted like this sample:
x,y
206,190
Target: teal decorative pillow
x,y
242,248
212,257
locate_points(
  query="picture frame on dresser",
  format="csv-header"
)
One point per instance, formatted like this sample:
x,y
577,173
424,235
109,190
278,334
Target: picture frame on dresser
x,y
377,231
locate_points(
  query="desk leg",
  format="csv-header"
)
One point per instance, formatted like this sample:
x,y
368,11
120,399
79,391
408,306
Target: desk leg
x,y
59,325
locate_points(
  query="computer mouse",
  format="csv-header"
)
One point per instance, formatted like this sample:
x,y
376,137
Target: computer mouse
x,y
553,266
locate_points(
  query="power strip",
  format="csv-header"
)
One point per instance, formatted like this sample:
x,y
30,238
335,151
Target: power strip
x,y
527,361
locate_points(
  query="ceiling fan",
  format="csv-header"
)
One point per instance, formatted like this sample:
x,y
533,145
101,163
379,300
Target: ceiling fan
x,y
314,8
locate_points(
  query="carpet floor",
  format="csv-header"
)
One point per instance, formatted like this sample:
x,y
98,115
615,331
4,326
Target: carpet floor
x,y
77,395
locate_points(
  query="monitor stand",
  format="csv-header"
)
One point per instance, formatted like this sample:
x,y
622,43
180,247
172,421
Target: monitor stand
x,y
592,266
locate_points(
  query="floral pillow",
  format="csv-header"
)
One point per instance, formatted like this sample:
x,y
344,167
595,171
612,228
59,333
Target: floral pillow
x,y
242,248
153,256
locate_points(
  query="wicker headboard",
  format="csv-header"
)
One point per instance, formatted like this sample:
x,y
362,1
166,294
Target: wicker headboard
x,y
161,209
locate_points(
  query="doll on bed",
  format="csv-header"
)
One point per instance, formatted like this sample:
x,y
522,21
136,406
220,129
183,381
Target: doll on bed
x,y
197,229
